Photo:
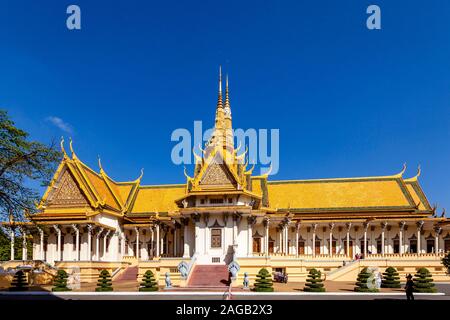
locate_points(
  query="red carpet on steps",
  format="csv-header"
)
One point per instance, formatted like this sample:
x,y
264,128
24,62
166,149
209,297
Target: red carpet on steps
x,y
130,273
209,276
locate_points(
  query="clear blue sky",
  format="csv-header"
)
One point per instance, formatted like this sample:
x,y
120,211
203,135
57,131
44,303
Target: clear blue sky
x,y
348,101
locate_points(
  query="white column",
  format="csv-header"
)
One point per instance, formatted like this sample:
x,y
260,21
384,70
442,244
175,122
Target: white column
x,y
280,239
186,250
383,228
151,254
314,226
297,229
330,252
41,244
97,244
24,244
157,240
137,243
286,238
266,236
89,249
12,237
77,240
250,222
105,249
123,243
419,228
58,230
235,217
437,231
400,236
366,226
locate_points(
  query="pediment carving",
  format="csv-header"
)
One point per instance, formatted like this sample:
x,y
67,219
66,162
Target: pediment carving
x,y
67,192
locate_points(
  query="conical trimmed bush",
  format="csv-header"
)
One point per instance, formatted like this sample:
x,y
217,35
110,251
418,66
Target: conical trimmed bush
x,y
19,282
148,282
104,282
365,282
314,282
391,279
263,282
60,282
423,282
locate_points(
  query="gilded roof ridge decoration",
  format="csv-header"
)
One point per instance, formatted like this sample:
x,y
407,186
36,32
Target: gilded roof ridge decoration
x,y
173,185
415,178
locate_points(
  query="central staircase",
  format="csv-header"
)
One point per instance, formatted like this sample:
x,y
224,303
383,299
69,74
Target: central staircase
x,y
209,276
128,274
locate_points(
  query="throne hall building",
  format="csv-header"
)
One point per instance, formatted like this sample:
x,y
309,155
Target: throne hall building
x,y
225,213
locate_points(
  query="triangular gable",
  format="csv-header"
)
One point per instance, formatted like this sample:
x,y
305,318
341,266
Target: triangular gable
x,y
217,173
67,192
67,188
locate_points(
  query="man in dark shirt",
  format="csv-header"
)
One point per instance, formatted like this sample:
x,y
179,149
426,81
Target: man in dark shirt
x,y
409,287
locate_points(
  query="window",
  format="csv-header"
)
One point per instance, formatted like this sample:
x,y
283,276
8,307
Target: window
x,y
216,238
301,247
230,200
379,249
74,243
62,243
202,201
430,246
396,246
216,200
413,246
447,245
257,245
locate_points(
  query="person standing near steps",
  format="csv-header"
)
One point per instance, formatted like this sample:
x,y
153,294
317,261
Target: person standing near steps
x,y
409,287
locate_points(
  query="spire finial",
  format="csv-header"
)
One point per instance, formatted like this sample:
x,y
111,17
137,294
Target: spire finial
x,y
62,147
220,80
74,156
227,98
219,98
100,163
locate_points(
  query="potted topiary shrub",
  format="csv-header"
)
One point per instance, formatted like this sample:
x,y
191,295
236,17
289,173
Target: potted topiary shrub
x,y
365,281
423,282
60,282
314,282
104,282
19,282
391,279
148,282
263,282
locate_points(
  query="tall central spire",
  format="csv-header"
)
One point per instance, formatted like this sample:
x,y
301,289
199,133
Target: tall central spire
x,y
219,98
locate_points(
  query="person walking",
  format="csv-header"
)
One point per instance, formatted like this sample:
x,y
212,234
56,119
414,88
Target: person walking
x,y
409,287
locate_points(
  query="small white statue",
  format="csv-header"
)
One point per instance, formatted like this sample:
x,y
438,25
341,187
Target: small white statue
x,y
168,282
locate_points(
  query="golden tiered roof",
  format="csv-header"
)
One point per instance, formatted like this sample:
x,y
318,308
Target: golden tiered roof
x,y
221,170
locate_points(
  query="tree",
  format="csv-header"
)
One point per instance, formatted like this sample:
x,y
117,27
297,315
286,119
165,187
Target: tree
x,y
104,282
5,247
148,282
314,282
263,282
391,279
423,282
60,282
21,160
19,282
365,282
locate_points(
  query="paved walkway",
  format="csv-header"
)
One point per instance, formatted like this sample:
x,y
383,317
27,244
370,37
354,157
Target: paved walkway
x,y
289,288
